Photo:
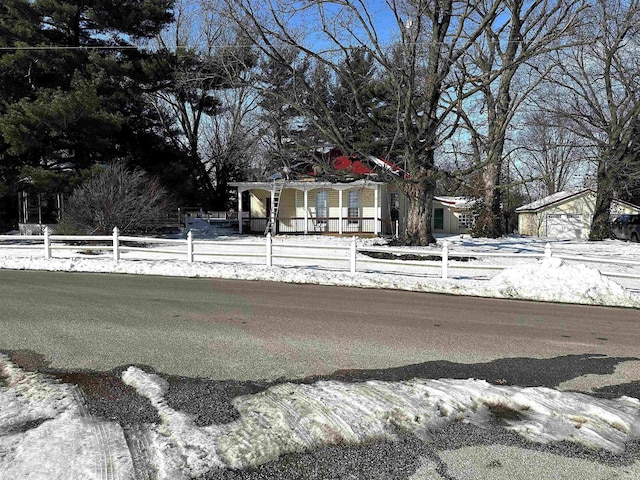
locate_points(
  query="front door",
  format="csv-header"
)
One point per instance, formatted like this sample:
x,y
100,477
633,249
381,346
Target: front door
x,y
322,212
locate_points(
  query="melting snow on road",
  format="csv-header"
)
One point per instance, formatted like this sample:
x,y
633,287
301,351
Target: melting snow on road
x,y
45,434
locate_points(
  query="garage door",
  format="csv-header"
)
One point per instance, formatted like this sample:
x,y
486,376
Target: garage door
x,y
566,226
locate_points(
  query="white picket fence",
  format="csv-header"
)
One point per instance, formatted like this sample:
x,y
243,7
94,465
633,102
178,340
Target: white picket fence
x,y
188,249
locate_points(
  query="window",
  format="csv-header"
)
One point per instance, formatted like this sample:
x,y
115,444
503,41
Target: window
x,y
321,204
438,218
465,220
353,211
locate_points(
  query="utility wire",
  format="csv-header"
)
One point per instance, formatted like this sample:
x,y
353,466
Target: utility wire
x,y
131,47
70,47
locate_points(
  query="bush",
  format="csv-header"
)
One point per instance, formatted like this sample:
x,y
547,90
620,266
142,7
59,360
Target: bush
x,y
116,197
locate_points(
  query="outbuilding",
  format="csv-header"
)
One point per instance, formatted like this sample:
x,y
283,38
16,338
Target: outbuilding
x,y
565,215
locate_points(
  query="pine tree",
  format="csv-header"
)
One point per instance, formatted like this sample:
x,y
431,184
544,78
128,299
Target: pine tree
x,y
72,80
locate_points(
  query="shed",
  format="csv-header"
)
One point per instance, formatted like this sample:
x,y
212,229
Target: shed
x,y
565,215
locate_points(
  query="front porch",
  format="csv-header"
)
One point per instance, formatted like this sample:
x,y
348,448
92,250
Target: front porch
x,y
315,207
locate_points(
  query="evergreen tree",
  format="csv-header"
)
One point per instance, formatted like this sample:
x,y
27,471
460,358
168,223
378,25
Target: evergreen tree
x,y
285,131
72,80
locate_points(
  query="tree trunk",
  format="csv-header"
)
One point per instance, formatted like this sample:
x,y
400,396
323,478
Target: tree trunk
x,y
418,230
490,223
600,224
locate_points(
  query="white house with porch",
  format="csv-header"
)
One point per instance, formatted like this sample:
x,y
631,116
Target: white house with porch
x,y
364,206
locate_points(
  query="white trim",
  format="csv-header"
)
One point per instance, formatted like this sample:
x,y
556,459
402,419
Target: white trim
x,y
376,194
306,212
240,211
339,212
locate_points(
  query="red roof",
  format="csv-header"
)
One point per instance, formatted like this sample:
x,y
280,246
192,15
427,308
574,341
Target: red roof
x,y
357,165
351,164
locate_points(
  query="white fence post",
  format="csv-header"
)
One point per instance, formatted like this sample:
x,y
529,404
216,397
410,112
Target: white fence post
x,y
116,244
269,258
352,254
189,247
47,244
445,260
547,250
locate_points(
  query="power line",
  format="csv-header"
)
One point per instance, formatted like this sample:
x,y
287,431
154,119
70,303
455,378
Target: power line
x,y
139,47
71,47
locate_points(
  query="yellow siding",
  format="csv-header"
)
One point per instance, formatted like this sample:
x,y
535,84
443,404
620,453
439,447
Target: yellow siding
x,y
367,202
529,224
583,205
621,208
332,203
258,203
287,207
298,203
292,204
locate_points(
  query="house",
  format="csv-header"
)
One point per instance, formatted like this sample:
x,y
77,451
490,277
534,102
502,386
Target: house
x,y
565,215
358,202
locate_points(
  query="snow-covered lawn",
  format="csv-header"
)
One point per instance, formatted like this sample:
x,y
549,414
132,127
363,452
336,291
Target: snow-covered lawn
x,y
571,281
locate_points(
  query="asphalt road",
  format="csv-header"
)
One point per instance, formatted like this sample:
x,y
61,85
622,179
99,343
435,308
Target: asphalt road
x,y
84,328
240,330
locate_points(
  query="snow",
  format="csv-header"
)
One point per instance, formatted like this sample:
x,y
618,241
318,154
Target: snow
x,y
66,443
292,418
46,434
282,419
526,278
457,202
556,197
308,260
548,280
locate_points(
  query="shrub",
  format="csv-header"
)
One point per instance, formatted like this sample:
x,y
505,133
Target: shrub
x,y
116,197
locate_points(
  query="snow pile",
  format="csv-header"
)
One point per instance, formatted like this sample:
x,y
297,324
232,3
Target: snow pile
x,y
45,434
551,279
293,418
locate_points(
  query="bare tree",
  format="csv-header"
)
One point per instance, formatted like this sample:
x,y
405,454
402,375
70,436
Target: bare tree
x,y
598,97
550,157
208,66
430,36
232,139
501,71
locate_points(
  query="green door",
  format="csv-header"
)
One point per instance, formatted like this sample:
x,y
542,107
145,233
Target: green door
x,y
438,218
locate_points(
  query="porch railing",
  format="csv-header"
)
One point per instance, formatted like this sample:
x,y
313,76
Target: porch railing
x,y
323,225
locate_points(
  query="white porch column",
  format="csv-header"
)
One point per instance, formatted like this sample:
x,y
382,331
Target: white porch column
x,y
306,211
240,210
376,214
340,211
